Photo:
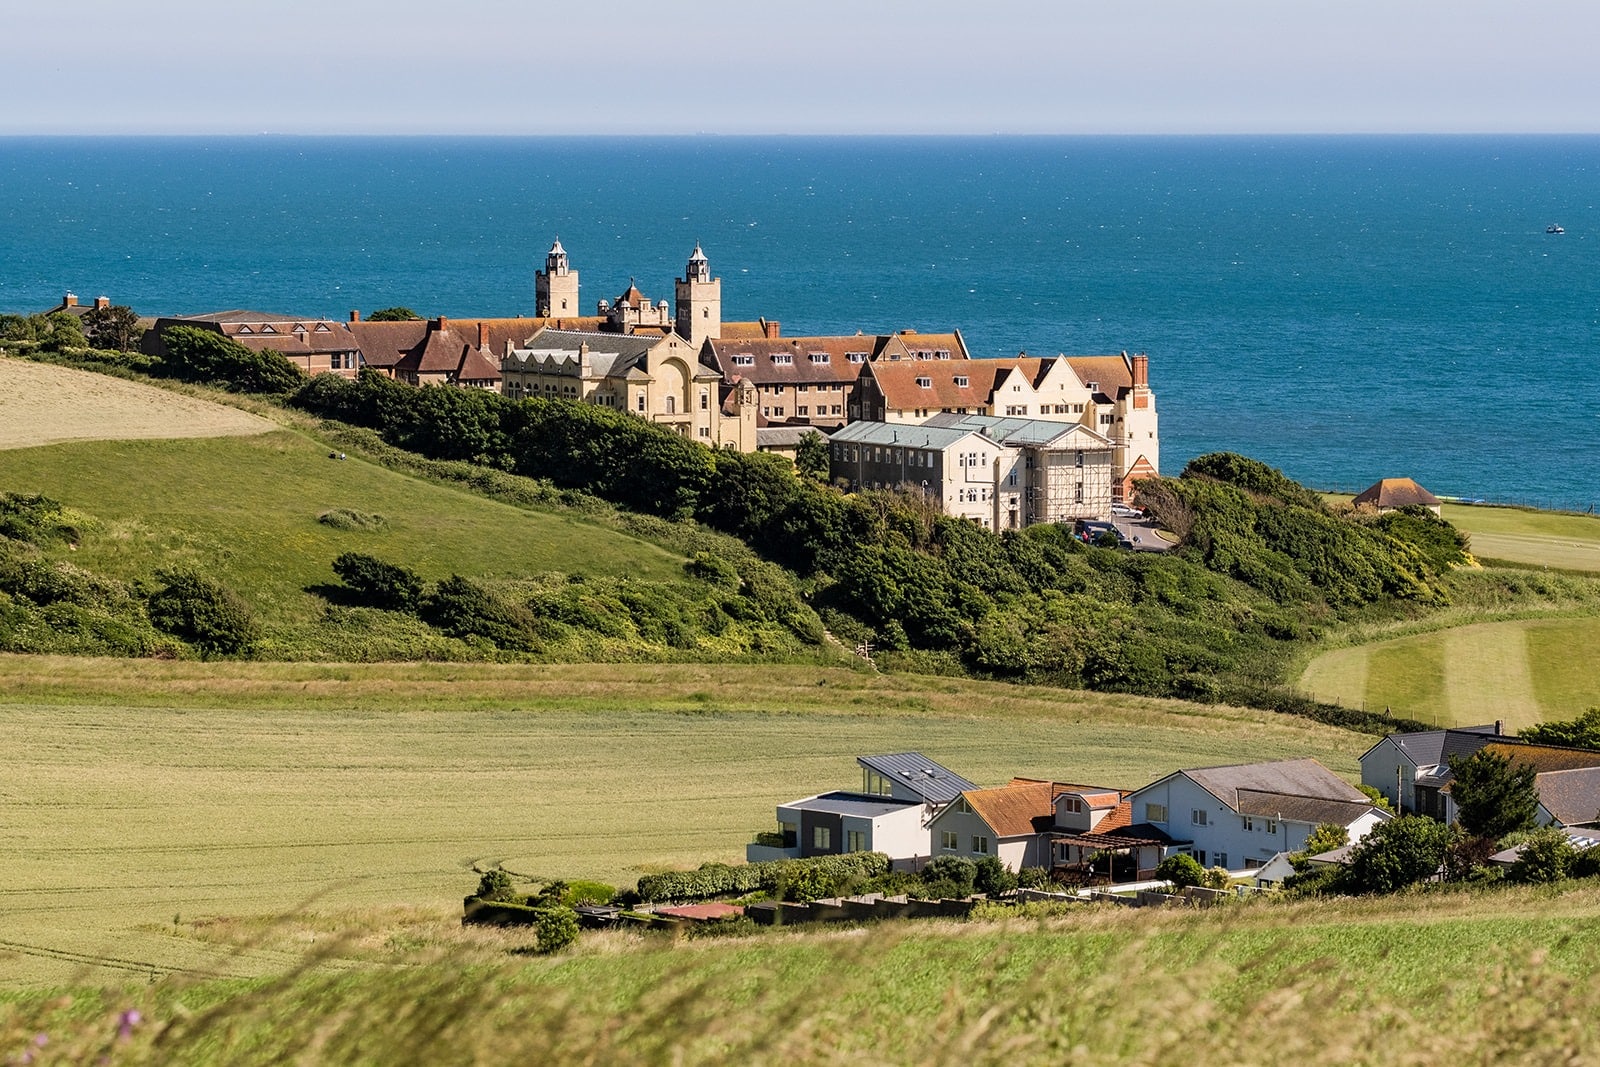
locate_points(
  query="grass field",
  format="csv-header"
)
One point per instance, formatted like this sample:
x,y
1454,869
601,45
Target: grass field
x,y
1536,538
137,794
41,403
246,508
1523,671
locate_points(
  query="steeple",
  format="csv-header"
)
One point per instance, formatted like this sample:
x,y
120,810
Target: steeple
x,y
555,289
699,298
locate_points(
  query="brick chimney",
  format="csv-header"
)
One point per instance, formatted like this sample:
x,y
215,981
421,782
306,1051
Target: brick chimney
x,y
1141,370
355,315
102,301
444,324
771,329
483,335
70,300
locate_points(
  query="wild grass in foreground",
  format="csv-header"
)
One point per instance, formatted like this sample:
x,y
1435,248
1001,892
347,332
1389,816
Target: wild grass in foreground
x,y
1505,976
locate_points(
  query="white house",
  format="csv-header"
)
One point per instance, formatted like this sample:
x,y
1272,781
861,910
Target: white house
x,y
900,795
1243,815
1410,770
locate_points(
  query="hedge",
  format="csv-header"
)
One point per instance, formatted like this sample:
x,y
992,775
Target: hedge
x,y
719,879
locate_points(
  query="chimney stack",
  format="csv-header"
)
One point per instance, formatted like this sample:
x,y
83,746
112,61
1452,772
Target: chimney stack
x,y
771,329
444,324
70,300
355,315
483,335
1141,370
102,301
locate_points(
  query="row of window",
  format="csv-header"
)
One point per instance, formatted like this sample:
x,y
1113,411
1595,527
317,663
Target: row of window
x,y
950,841
1157,813
822,839
927,383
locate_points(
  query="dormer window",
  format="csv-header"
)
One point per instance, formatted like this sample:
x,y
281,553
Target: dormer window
x,y
322,327
744,361
1093,387
1072,804
246,329
782,359
925,383
943,353
856,357
961,381
819,357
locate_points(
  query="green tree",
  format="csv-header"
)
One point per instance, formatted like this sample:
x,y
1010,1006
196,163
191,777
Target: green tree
x,y
112,327
202,611
1580,732
1180,869
1379,801
379,584
1325,838
394,314
811,458
1396,854
197,355
62,330
1494,795
555,929
495,886
992,878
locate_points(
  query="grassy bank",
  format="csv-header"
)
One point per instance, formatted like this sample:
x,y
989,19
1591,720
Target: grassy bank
x,y
1504,977
144,796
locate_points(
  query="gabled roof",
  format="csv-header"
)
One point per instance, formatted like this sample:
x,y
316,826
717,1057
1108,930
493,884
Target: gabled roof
x,y
1279,780
1025,806
1112,375
1396,493
934,783
719,352
1301,809
1426,748
1571,796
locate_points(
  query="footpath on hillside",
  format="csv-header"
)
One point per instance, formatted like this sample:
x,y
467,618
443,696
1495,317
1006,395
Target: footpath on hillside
x,y
42,404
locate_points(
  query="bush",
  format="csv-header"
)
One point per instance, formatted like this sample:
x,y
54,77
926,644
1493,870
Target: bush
x,y
1547,856
377,584
495,886
462,608
992,878
555,929
203,612
955,875
1396,854
347,519
1034,878
195,355
719,879
1180,870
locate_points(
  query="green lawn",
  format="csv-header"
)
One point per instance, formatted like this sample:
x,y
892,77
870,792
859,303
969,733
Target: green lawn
x,y
1538,538
137,794
1523,671
245,508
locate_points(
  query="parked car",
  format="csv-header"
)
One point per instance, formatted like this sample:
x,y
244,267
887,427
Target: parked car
x,y
1126,511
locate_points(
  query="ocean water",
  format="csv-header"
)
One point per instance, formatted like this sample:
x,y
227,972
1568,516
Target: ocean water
x,y
1343,308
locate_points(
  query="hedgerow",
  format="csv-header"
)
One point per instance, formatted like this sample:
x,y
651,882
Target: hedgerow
x,y
720,879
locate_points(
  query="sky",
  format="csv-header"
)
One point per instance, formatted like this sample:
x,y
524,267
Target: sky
x,y
535,67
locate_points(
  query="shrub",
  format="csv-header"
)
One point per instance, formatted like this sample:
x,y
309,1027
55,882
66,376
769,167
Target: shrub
x,y
203,612
1494,794
197,355
1585,863
346,519
1547,856
377,584
954,874
462,608
556,928
719,879
992,878
1034,878
1180,869
495,886
1396,854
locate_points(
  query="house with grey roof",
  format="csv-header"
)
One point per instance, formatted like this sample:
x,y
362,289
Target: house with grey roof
x,y
1240,816
899,796
1002,473
1411,770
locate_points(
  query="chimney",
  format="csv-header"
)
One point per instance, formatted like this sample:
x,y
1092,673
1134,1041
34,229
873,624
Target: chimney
x,y
355,315
70,300
1141,370
771,329
102,301
444,324
1499,727
483,335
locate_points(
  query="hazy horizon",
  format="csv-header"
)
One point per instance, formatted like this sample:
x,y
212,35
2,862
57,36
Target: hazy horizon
x,y
826,68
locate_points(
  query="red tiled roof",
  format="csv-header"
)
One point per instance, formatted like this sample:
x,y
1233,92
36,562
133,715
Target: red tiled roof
x,y
720,353
1025,806
1397,493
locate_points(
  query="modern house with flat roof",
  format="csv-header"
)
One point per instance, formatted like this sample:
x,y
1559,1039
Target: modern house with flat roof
x,y
899,795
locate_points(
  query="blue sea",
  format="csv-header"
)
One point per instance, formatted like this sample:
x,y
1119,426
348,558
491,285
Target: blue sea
x,y
1343,308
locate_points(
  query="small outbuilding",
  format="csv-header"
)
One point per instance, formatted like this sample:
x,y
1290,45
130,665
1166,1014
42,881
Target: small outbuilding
x,y
1391,494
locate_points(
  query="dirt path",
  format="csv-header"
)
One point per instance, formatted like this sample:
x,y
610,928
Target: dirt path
x,y
42,404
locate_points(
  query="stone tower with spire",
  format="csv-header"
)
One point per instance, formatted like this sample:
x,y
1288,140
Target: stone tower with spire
x,y
699,311
555,289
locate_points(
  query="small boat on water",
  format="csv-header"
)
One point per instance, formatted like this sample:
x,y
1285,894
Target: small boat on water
x,y
1555,227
